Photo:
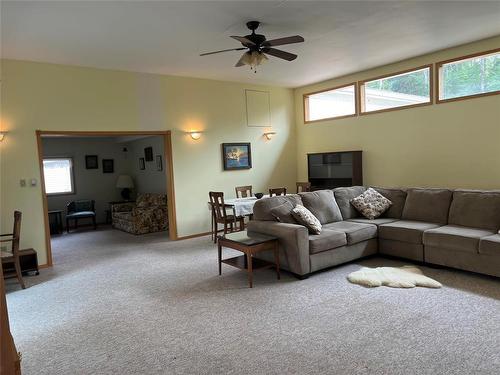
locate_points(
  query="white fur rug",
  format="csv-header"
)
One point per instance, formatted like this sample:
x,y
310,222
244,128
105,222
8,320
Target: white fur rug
x,y
403,277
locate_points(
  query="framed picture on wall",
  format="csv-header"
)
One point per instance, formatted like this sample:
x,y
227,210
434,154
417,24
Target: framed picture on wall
x,y
142,164
108,166
159,163
91,162
148,153
236,156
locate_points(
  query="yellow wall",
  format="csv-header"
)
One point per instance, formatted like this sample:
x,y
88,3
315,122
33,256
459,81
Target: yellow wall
x,y
54,97
454,144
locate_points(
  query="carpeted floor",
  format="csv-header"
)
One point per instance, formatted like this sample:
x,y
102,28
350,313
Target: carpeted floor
x,y
119,304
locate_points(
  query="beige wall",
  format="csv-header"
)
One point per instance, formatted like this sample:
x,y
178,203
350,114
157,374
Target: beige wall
x,y
454,144
54,97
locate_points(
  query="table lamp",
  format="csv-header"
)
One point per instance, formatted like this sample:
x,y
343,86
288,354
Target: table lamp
x,y
125,183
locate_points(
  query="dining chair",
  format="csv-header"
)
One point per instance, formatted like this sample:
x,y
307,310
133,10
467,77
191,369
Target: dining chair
x,y
220,216
12,256
243,191
277,191
303,187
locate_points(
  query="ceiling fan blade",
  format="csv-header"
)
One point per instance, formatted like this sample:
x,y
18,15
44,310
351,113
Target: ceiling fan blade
x,y
224,50
243,40
279,53
282,41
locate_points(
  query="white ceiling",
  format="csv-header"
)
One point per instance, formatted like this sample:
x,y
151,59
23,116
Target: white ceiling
x,y
167,36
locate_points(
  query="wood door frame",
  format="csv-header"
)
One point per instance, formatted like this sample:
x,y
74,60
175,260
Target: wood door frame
x,y
169,174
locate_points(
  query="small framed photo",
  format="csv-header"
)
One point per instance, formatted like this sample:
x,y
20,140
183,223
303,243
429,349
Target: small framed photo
x,y
142,164
236,156
148,153
108,165
91,162
159,163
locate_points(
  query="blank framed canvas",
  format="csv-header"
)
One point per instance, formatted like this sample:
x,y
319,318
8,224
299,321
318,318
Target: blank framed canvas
x,y
258,108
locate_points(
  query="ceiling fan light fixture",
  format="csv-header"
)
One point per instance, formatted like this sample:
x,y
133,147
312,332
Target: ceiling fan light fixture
x,y
253,59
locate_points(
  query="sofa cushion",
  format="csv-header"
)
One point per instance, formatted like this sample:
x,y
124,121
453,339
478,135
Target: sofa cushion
x,y
371,204
355,232
454,237
283,213
398,199
490,245
405,230
306,218
378,221
429,205
343,196
475,209
328,239
151,199
262,208
322,204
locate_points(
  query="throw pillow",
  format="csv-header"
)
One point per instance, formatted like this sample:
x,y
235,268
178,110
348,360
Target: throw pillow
x,y
307,219
283,213
371,204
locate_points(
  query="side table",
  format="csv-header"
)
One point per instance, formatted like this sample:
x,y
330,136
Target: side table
x,y
249,244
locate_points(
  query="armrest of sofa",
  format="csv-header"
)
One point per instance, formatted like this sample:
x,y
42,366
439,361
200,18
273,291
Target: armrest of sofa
x,y
293,240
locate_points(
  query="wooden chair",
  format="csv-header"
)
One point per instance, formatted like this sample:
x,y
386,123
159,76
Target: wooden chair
x,y
220,216
277,191
303,187
243,191
13,255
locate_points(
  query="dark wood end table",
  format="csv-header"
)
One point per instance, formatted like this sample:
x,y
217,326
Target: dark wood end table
x,y
249,244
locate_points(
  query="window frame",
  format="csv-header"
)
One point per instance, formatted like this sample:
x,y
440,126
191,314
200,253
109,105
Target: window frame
x,y
466,57
305,98
361,85
72,175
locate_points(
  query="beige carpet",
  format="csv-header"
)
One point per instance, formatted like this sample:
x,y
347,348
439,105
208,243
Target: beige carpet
x,y
119,304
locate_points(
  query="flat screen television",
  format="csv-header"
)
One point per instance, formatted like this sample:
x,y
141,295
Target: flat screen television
x,y
329,170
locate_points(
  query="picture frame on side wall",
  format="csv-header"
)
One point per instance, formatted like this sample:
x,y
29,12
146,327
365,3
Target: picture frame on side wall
x,y
142,164
159,163
91,162
108,165
236,156
148,153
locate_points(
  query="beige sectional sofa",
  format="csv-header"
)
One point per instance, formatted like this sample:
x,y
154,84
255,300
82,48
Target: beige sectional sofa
x,y
455,228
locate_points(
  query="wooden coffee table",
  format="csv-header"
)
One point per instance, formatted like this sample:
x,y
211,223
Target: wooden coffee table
x,y
249,244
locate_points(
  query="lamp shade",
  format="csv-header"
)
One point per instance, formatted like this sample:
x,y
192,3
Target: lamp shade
x,y
124,182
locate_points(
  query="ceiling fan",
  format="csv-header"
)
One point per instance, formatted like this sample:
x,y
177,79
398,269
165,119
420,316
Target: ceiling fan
x,y
257,47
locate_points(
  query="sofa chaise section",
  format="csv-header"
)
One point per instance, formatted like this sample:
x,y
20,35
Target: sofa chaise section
x,y
470,239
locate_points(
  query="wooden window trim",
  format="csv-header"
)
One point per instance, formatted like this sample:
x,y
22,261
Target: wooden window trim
x,y
466,57
361,86
72,172
305,98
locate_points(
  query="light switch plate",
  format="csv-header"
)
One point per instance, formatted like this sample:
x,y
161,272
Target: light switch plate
x,y
33,182
22,182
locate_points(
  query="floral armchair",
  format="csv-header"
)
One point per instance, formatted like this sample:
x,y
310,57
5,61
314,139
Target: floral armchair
x,y
148,214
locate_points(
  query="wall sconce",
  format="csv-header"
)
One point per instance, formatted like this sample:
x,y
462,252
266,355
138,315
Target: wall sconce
x,y
2,136
269,135
195,135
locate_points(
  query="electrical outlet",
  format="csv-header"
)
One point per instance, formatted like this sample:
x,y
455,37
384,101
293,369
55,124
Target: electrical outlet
x,y
22,182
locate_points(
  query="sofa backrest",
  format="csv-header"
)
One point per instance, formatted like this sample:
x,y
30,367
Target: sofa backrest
x,y
322,204
430,205
262,208
151,200
398,199
343,195
477,209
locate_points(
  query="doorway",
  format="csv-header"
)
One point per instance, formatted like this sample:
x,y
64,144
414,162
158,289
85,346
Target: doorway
x,y
136,161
